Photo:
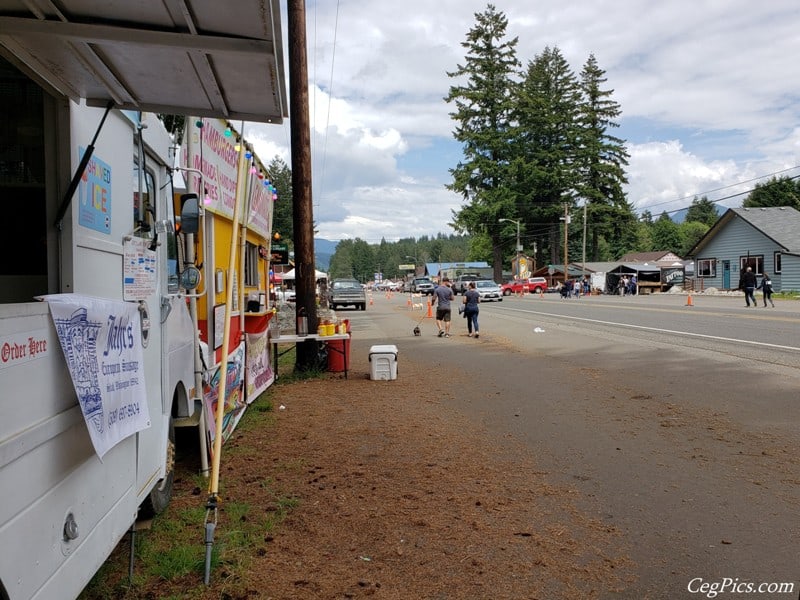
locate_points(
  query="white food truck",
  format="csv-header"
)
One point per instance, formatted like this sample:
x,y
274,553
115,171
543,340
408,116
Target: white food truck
x,y
97,343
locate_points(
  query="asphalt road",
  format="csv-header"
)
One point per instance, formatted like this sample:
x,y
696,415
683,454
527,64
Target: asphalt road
x,y
677,424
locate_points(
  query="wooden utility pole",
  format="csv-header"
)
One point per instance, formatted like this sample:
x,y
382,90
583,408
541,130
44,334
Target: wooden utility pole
x,y
566,235
302,209
583,260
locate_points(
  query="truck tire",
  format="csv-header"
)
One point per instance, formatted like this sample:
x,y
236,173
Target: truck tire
x,y
158,498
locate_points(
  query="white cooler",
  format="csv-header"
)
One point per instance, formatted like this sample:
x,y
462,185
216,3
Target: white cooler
x,y
383,362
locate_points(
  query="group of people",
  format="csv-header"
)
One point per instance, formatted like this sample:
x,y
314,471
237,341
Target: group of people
x,y
575,287
443,296
749,283
627,286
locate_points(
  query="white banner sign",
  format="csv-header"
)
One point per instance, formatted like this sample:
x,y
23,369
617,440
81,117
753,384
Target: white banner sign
x,y
139,269
102,344
259,368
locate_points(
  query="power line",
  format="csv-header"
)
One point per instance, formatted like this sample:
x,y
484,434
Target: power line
x,y
727,197
724,187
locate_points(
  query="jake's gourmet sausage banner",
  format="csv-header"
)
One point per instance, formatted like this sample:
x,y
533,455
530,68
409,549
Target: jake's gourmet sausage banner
x,y
102,345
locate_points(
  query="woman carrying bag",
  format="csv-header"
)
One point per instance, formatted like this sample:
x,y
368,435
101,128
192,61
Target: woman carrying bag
x,y
766,289
471,300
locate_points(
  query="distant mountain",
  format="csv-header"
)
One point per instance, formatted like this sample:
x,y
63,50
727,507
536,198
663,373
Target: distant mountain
x,y
323,251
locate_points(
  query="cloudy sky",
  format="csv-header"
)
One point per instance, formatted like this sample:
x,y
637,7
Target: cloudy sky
x,y
709,92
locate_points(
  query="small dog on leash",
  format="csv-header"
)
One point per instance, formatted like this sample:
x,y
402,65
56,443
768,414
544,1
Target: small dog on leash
x,y
417,331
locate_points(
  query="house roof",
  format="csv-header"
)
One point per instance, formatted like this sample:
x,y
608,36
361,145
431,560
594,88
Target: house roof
x,y
635,267
779,223
574,269
187,57
646,257
599,267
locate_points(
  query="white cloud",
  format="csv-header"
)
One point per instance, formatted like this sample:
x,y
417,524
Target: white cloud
x,y
707,91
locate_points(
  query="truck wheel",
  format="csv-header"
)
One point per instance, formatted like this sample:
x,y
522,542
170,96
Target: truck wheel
x,y
161,494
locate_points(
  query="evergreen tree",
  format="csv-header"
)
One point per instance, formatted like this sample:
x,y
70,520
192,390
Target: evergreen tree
x,y
783,191
342,261
703,211
602,161
691,232
483,105
546,138
176,125
281,177
667,235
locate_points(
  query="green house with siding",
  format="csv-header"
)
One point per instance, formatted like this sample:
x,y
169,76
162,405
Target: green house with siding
x,y
767,239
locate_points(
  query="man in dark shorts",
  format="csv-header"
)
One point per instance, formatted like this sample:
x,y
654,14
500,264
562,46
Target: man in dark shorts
x,y
442,297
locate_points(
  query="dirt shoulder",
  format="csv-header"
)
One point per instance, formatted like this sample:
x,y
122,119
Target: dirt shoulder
x,y
401,497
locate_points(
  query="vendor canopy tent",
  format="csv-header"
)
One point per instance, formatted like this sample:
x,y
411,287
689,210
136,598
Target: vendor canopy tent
x,y
645,273
318,275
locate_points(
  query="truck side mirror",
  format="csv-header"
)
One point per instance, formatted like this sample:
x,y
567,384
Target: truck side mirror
x,y
190,213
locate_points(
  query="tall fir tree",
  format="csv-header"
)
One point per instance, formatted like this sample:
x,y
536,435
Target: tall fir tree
x,y
545,144
483,101
602,161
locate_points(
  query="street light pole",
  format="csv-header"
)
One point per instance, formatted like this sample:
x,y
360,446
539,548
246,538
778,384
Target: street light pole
x,y
518,248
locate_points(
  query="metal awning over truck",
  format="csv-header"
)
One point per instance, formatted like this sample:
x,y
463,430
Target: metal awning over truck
x,y
191,57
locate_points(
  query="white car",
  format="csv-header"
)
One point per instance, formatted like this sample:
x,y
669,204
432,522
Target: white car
x,y
488,290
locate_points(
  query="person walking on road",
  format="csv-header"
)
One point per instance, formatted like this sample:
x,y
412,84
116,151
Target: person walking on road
x,y
471,300
442,297
747,282
766,290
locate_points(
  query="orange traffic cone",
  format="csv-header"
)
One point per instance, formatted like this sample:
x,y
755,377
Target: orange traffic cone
x,y
689,300
430,311
371,302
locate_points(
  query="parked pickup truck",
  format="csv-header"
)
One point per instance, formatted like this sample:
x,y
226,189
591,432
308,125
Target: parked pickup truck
x,y
347,292
461,283
422,285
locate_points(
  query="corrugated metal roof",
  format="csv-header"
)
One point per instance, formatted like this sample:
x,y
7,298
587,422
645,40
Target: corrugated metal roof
x,y
191,57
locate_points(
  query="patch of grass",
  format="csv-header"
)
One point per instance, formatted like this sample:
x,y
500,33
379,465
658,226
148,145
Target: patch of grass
x,y
169,558
259,414
172,552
